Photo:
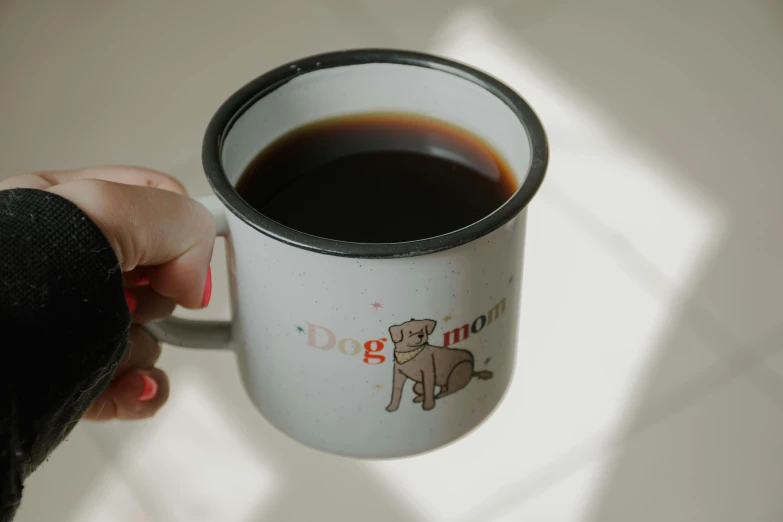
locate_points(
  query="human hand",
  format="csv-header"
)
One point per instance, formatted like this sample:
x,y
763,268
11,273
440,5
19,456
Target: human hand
x,y
163,241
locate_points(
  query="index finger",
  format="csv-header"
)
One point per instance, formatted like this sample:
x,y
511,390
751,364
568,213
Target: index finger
x,y
125,175
170,234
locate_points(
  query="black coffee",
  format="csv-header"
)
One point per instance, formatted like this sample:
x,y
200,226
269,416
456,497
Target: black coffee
x,y
377,178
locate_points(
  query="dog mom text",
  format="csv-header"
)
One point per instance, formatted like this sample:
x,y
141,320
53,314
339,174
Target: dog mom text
x,y
324,338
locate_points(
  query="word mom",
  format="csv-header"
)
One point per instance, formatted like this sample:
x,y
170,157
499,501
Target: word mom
x,y
478,324
324,339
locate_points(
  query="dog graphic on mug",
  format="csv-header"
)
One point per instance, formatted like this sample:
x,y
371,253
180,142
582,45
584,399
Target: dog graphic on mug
x,y
450,369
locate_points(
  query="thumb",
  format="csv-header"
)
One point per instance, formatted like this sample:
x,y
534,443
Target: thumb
x,y
166,232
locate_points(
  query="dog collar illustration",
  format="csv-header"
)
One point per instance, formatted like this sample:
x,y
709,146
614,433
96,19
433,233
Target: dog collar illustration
x,y
451,369
403,357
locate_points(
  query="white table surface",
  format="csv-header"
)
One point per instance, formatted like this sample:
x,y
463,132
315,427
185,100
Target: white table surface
x,y
649,384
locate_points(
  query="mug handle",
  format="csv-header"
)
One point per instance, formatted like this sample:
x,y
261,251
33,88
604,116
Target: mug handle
x,y
197,334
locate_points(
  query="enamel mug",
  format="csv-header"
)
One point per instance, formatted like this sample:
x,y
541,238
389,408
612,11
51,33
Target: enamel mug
x,y
369,350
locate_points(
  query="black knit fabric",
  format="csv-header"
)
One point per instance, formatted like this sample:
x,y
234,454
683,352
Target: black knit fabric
x,y
63,328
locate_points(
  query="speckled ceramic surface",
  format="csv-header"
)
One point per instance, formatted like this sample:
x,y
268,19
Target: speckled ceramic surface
x,y
370,351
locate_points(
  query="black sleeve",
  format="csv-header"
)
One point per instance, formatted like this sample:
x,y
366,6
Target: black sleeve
x,y
63,328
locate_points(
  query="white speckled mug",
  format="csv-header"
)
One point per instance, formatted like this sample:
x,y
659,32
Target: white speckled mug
x,y
370,350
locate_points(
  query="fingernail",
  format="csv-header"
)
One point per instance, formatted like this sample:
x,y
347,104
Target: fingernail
x,y
150,388
131,300
142,281
207,288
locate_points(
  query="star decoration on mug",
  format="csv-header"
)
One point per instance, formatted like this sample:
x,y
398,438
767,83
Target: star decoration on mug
x,y
300,329
447,318
377,305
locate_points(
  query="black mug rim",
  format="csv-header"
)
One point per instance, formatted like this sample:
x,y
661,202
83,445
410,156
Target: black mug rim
x,y
244,98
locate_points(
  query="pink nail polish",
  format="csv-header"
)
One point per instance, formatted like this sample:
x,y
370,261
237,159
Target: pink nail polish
x,y
150,388
131,300
207,288
142,281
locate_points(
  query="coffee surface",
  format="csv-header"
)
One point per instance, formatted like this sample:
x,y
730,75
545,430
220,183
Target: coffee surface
x,y
377,178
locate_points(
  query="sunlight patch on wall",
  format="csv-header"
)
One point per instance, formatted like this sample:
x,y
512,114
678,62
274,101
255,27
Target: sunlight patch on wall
x,y
616,238
594,163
